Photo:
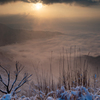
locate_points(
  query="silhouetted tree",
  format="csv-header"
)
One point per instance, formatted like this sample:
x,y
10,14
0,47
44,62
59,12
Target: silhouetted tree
x,y
9,89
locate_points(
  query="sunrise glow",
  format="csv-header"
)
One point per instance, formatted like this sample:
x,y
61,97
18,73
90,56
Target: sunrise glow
x,y
38,6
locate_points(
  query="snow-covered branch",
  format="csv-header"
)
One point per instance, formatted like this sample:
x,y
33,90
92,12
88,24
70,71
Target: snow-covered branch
x,y
9,90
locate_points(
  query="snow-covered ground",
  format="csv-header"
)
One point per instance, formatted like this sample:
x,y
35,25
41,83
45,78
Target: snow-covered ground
x,y
78,93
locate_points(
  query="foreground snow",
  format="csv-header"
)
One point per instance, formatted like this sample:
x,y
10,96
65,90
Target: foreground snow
x,y
78,93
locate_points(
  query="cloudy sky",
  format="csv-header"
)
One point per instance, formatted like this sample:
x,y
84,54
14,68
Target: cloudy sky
x,y
51,15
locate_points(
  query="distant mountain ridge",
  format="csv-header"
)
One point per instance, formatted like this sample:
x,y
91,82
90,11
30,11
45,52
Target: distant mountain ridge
x,y
93,60
10,36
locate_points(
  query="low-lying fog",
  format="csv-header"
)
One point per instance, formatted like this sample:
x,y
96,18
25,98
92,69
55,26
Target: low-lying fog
x,y
34,51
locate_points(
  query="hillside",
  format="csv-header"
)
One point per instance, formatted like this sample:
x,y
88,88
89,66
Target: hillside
x,y
10,36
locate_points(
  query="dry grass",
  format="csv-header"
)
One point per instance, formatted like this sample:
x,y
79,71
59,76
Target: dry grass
x,y
73,72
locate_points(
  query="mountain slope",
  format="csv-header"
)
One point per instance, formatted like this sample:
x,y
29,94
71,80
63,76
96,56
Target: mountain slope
x,y
9,36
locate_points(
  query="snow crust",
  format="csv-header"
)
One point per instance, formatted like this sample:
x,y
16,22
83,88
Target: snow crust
x,y
78,93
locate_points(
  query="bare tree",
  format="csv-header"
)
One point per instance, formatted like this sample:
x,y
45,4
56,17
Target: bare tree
x,y
9,89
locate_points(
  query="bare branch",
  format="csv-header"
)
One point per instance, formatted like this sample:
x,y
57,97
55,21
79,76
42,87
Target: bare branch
x,y
2,81
23,81
19,68
8,78
26,75
17,91
4,69
14,83
3,91
8,73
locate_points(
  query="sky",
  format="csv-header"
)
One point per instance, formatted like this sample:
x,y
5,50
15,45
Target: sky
x,y
51,15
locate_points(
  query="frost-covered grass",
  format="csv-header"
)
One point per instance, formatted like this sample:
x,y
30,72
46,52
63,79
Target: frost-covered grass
x,y
74,82
73,72
78,93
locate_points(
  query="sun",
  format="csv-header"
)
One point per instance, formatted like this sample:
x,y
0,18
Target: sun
x,y
38,6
